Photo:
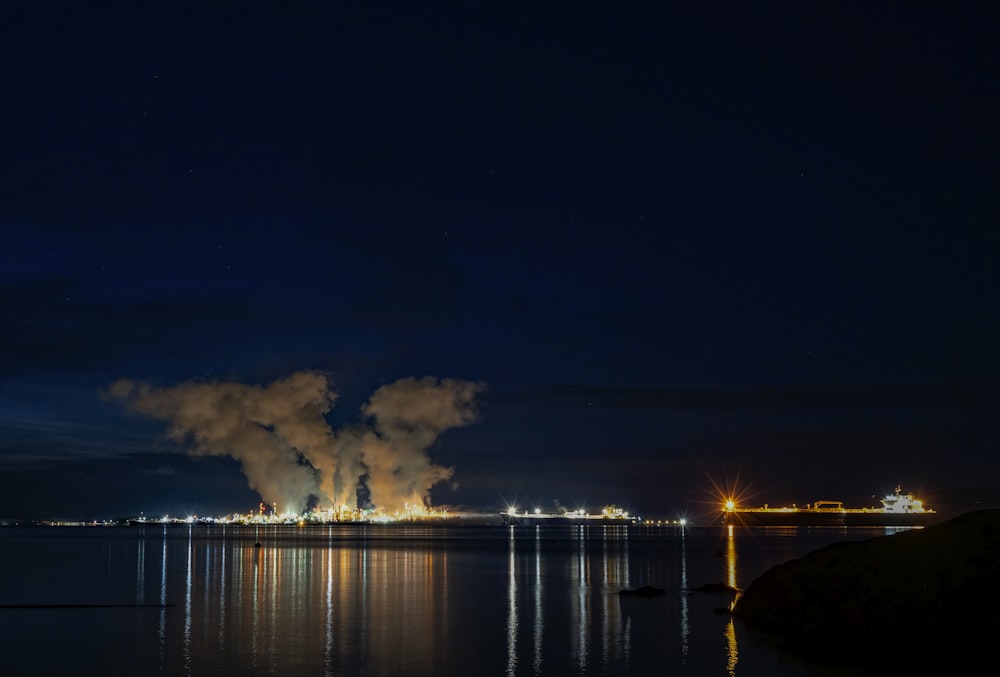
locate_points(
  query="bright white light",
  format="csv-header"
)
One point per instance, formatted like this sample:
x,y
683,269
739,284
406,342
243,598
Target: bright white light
x,y
538,511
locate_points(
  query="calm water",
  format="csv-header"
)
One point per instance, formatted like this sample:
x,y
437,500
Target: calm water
x,y
387,600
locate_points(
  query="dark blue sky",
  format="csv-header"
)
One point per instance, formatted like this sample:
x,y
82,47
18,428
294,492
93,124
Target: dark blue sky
x,y
676,245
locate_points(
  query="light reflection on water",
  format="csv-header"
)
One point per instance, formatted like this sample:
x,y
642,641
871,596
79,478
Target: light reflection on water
x,y
162,634
732,653
537,646
385,601
328,635
187,605
684,622
511,607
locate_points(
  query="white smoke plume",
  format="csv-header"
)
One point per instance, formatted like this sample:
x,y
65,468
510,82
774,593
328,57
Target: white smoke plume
x,y
409,415
288,451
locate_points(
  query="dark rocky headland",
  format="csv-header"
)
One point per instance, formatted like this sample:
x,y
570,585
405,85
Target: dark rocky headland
x,y
920,600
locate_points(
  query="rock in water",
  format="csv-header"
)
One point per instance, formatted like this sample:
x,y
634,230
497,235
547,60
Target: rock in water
x,y
716,587
644,591
918,599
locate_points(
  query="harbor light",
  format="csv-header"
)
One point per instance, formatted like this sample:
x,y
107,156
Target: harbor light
x,y
730,504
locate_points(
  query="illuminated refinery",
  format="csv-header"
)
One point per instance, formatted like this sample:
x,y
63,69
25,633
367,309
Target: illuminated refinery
x,y
377,470
265,515
512,516
292,457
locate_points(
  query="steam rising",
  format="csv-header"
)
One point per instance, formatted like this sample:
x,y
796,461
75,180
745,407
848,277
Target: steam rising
x,y
290,454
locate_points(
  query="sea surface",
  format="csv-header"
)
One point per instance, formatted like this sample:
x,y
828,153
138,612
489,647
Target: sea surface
x,y
388,600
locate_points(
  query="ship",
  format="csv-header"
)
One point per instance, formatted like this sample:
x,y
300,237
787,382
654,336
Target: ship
x,y
898,510
610,514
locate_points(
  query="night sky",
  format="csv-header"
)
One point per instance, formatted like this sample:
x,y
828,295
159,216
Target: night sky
x,y
670,247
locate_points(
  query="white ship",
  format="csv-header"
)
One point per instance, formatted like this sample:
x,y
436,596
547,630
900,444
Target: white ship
x,y
512,516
